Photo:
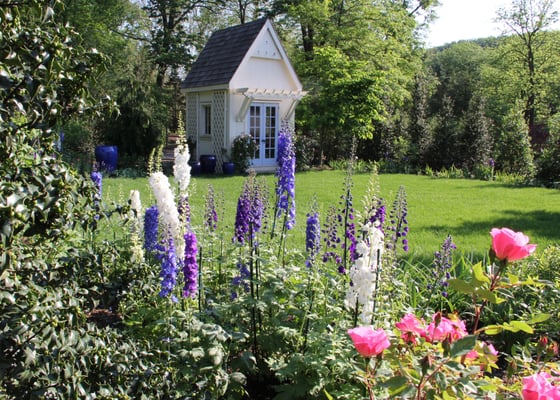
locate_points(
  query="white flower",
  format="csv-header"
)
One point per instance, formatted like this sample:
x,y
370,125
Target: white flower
x,y
136,212
364,273
181,168
168,213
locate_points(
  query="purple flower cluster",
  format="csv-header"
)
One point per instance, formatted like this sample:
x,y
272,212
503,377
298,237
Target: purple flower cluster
x,y
151,216
250,210
184,209
285,188
242,216
346,218
443,261
168,272
377,217
331,239
210,214
190,265
399,221
241,280
97,179
312,237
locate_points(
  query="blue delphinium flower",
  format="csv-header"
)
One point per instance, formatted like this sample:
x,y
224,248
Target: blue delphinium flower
x,y
210,214
242,216
97,179
443,261
190,265
250,210
312,237
168,272
241,280
331,239
285,188
399,221
151,216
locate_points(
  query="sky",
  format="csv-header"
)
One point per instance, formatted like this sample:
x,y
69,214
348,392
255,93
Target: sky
x,y
463,20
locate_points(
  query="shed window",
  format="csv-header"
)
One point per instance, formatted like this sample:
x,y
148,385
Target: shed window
x,y
206,119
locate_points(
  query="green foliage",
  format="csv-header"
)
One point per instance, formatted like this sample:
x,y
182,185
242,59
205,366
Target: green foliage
x,y
242,151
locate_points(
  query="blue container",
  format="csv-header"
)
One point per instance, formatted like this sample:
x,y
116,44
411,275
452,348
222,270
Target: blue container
x,y
196,169
228,168
208,163
107,157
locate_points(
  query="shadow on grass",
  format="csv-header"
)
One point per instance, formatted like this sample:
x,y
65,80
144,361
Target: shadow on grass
x,y
541,223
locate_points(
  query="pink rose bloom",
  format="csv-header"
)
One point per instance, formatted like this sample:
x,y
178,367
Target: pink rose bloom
x,y
445,329
509,245
539,387
369,342
411,327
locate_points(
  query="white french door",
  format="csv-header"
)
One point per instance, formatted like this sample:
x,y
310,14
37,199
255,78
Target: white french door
x,y
263,128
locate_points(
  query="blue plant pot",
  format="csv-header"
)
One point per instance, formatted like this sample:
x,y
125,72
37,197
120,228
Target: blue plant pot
x,y
228,168
208,163
107,157
196,168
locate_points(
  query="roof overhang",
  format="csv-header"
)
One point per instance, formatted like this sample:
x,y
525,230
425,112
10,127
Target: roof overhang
x,y
268,95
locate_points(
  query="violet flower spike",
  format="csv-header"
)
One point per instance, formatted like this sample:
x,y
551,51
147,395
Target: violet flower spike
x,y
151,229
168,272
285,188
190,265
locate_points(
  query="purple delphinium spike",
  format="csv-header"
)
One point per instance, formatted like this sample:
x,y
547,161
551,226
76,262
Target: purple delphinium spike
x,y
210,214
168,272
285,188
184,209
242,217
241,280
331,239
151,229
97,179
443,261
398,221
190,265
312,237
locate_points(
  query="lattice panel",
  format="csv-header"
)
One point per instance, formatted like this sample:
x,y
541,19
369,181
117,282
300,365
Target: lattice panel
x,y
218,125
192,119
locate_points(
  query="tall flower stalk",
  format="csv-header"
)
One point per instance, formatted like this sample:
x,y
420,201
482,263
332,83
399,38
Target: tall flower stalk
x,y
285,187
364,275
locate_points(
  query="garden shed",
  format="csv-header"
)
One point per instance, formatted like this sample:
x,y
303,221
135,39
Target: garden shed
x,y
241,83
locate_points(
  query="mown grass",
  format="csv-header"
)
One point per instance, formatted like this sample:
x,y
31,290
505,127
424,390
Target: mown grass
x,y
464,209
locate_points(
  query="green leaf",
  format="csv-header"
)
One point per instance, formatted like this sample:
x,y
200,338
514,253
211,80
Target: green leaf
x,y
461,286
395,384
493,329
539,318
521,326
462,346
479,273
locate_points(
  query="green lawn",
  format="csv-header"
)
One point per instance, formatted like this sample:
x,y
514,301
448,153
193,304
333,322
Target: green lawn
x,y
465,209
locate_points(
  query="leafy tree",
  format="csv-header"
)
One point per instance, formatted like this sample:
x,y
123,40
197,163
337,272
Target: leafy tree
x,y
443,153
358,59
529,47
514,154
475,142
421,134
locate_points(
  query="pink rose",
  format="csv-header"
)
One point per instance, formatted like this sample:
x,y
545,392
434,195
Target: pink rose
x,y
509,245
539,387
442,328
369,342
411,327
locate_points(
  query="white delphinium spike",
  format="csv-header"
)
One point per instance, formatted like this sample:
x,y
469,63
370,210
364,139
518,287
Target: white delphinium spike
x,y
137,227
168,213
363,273
181,167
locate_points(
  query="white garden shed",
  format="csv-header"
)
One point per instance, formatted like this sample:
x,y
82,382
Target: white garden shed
x,y
241,83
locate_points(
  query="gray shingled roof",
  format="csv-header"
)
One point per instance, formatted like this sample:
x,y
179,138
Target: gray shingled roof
x,y
222,55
